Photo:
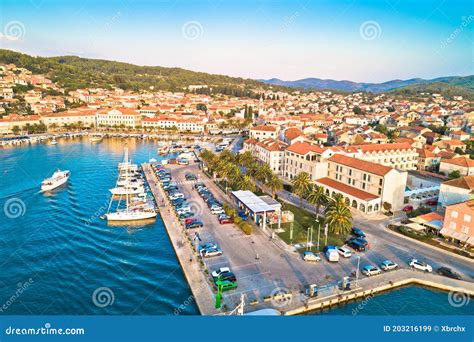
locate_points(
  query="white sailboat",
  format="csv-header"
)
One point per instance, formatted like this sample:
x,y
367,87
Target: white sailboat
x,y
137,208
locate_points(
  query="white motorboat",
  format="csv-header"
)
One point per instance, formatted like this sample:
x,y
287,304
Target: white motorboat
x,y
57,179
53,142
132,182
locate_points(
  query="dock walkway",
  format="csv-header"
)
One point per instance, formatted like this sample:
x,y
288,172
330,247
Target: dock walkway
x,y
200,287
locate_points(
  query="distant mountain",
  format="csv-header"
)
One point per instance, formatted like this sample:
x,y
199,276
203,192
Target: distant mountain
x,y
349,86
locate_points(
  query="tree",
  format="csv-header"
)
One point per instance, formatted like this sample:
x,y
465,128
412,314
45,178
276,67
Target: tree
x,y
275,184
201,106
454,174
301,185
387,206
317,196
338,216
246,183
16,129
262,172
246,159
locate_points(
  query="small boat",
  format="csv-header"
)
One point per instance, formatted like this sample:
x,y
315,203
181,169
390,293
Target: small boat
x,y
53,142
95,138
57,179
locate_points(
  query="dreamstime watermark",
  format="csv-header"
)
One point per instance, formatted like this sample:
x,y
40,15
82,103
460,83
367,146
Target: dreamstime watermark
x,y
362,304
103,297
97,214
466,21
22,287
14,208
46,330
458,299
281,297
188,301
370,30
13,30
195,207
192,30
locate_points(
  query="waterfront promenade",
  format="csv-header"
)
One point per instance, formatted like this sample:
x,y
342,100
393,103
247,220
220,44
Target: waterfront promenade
x,y
200,288
270,275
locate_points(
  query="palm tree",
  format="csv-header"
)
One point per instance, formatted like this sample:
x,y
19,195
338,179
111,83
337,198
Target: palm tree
x,y
262,172
275,184
246,183
338,216
301,185
246,159
228,156
317,197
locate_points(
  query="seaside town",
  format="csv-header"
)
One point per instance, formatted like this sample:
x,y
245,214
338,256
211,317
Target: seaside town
x,y
317,177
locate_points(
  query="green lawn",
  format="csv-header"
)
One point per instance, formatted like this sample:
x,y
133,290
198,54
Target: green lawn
x,y
303,220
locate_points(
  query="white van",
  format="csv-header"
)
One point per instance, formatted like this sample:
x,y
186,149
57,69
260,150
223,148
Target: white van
x,y
332,254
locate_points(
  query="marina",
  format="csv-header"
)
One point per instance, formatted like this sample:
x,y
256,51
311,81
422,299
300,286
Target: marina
x,y
158,271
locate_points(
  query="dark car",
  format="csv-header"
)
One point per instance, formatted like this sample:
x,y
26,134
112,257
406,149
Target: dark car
x,y
194,224
448,272
357,232
186,215
356,245
227,276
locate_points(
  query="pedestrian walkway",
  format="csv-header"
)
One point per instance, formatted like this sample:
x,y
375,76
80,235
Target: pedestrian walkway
x,y
200,287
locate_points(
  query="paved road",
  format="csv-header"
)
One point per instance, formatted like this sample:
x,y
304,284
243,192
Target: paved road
x,y
277,268
387,244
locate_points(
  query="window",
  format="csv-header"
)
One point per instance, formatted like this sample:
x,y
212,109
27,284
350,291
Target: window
x,y
465,229
467,218
454,214
380,191
380,181
452,225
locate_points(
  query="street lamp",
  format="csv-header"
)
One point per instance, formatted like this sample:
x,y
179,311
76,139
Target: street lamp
x,y
357,270
319,230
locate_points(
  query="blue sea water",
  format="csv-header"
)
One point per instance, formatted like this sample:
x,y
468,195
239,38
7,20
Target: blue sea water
x,y
56,250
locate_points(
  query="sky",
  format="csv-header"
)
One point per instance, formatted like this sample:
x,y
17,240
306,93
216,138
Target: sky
x,y
357,40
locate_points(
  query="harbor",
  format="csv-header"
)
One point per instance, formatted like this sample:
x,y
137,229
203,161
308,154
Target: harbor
x,y
263,284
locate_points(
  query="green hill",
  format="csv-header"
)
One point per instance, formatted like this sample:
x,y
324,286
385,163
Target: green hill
x,y
447,89
73,72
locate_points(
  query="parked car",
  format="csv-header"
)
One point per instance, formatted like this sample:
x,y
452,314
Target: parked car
x,y
388,265
211,252
356,245
331,253
221,270
243,215
228,285
186,214
357,232
432,202
217,210
226,220
189,220
207,245
344,251
311,257
176,195
183,210
194,224
370,270
226,276
422,266
407,208
448,272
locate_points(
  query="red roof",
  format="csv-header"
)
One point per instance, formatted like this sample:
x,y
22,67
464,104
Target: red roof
x,y
346,189
374,168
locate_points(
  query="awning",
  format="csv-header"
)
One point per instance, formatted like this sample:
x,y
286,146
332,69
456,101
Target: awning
x,y
415,226
254,203
457,235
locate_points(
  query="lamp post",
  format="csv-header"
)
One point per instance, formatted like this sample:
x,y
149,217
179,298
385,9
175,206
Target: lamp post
x,y
319,230
357,270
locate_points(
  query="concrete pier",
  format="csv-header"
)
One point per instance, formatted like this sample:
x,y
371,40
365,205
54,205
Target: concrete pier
x,y
193,271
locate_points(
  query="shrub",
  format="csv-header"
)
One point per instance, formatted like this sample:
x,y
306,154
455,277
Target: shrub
x,y
237,220
246,227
